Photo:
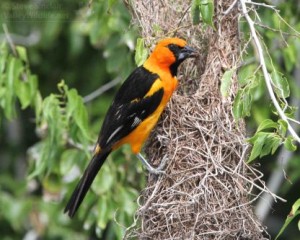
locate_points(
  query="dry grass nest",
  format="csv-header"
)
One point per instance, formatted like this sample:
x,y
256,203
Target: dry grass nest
x,y
208,188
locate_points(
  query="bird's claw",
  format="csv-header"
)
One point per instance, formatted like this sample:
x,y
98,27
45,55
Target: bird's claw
x,y
156,171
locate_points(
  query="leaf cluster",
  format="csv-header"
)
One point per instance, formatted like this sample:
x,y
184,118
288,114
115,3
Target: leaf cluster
x,y
97,45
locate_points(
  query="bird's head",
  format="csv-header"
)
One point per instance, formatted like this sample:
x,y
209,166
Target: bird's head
x,y
170,53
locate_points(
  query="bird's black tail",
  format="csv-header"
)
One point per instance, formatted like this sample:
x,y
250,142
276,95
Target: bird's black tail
x,y
85,182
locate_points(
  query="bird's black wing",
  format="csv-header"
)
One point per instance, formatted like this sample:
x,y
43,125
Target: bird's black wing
x,y
135,86
130,107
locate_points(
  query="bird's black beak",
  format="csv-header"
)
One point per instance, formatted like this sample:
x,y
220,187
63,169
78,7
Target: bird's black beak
x,y
187,52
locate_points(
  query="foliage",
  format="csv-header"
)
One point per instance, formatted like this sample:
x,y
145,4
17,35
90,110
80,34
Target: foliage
x,y
17,83
252,88
203,10
280,44
294,212
56,157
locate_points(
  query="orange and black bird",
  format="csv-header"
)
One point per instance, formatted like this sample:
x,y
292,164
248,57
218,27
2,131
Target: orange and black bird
x,y
135,110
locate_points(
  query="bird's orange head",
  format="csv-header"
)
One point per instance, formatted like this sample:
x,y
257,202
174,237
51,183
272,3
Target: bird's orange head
x,y
169,53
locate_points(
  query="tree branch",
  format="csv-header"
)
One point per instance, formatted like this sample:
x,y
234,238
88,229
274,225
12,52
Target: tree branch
x,y
9,40
267,77
101,90
277,177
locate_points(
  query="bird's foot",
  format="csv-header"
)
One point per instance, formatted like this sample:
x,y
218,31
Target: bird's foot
x,y
158,170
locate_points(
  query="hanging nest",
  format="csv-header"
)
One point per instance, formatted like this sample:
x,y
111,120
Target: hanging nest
x,y
207,190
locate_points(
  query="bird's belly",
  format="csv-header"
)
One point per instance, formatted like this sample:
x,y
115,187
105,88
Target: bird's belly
x,y
140,134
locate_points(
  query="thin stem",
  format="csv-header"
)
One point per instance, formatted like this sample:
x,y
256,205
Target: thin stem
x,y
101,90
267,77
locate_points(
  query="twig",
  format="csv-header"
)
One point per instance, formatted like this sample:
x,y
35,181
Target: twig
x,y
13,48
294,120
276,30
101,90
264,205
9,40
230,7
79,146
32,39
259,4
283,20
267,76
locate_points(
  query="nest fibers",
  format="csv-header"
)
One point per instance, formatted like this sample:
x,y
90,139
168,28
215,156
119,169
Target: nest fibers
x,y
207,190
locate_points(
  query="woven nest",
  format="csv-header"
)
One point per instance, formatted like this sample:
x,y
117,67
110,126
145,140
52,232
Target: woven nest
x,y
207,190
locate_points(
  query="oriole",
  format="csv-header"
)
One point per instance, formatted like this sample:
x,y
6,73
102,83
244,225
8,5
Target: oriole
x,y
135,110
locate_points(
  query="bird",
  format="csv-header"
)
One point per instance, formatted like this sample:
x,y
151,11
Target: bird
x,y
135,110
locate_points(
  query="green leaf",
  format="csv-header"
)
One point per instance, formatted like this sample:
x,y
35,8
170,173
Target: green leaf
x,y
207,11
104,181
54,119
33,83
127,197
9,98
294,212
282,127
38,103
246,73
266,124
272,142
195,11
15,210
72,97
111,3
226,82
247,102
295,207
140,52
39,163
289,144
258,140
282,88
77,110
3,57
264,143
238,105
114,61
68,160
102,212
243,100
289,56
266,147
290,111
23,93
11,74
242,103
22,53
276,143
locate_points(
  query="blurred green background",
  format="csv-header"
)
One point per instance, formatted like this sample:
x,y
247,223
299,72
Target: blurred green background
x,y
88,45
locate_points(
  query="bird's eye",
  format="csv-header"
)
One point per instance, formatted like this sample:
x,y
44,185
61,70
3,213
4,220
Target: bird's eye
x,y
174,48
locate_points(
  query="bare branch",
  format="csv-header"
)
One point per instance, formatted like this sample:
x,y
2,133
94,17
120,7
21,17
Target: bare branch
x,y
101,90
260,4
32,39
79,146
267,77
274,183
9,40
230,8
